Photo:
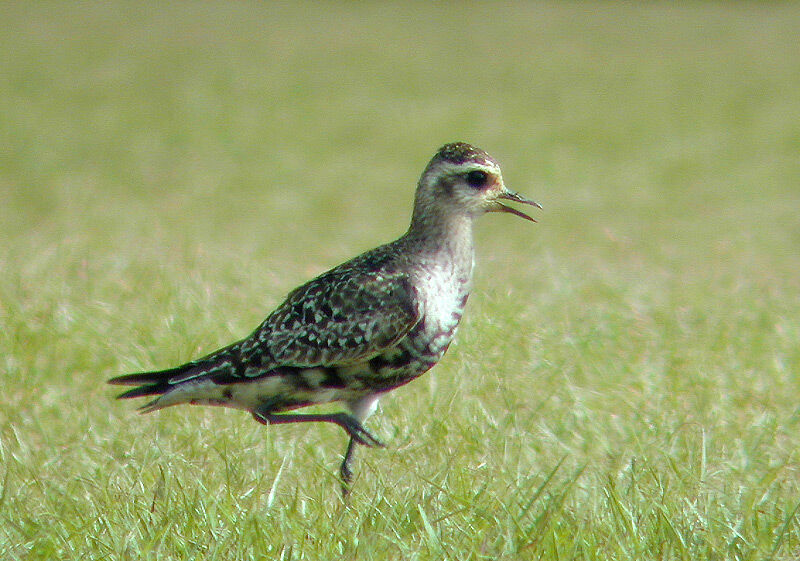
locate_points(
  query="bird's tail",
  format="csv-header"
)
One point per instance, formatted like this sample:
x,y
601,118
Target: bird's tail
x,y
151,383
179,381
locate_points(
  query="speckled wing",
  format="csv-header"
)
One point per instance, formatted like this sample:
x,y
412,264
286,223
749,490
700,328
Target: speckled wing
x,y
342,317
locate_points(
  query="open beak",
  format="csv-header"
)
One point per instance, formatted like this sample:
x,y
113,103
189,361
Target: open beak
x,y
517,198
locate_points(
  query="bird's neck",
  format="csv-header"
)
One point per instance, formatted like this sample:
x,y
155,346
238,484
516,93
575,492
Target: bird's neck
x,y
448,237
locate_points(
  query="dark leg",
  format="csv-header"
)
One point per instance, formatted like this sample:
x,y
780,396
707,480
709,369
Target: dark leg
x,y
349,423
345,471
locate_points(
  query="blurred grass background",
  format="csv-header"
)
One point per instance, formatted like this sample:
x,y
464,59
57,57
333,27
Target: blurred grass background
x,y
624,385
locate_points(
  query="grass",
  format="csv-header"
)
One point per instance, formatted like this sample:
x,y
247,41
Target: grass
x,y
625,382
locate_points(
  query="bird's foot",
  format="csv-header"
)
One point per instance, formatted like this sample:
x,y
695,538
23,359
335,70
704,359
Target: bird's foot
x,y
357,431
345,471
349,423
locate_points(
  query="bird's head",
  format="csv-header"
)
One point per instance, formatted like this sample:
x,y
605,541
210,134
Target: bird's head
x,y
462,180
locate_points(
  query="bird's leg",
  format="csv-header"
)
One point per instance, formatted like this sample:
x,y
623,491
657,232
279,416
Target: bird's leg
x,y
344,470
349,423
361,409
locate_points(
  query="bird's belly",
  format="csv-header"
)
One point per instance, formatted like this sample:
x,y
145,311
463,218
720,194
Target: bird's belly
x,y
283,389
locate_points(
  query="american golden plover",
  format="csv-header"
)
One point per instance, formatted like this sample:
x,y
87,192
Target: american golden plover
x,y
363,328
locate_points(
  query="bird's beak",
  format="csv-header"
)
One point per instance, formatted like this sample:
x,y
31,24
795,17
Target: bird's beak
x,y
517,198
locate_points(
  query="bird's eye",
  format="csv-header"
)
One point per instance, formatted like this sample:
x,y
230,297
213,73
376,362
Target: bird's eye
x,y
477,178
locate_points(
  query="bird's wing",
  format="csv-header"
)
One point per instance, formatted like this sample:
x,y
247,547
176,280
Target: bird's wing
x,y
341,317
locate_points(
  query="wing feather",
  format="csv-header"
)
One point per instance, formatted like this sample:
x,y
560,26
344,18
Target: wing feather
x,y
345,316
341,317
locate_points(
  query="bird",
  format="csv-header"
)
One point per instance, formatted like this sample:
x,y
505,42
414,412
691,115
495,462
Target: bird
x,y
360,330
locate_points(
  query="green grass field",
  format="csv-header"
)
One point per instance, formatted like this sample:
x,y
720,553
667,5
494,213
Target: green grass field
x,y
626,381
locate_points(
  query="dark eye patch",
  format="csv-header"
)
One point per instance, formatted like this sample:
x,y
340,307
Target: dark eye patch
x,y
477,178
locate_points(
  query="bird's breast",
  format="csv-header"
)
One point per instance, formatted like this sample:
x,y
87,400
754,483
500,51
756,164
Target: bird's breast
x,y
443,301
442,293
